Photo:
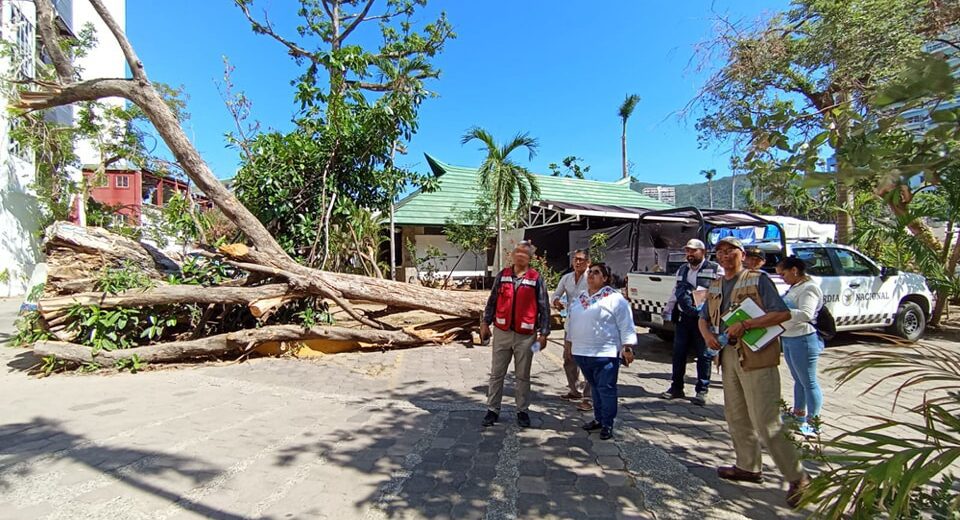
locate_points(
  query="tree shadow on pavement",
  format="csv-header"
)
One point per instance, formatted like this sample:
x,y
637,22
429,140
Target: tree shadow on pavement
x,y
25,446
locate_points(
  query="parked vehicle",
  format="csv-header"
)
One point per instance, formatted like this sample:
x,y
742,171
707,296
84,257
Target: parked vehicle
x,y
859,293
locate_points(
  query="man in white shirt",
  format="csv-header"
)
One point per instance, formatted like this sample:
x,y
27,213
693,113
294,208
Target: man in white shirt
x,y
571,285
681,309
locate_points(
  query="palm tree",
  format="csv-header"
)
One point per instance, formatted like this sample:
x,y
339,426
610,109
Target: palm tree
x,y
625,111
709,174
504,179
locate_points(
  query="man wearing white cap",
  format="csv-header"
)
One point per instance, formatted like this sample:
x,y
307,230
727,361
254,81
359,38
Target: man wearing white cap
x,y
697,274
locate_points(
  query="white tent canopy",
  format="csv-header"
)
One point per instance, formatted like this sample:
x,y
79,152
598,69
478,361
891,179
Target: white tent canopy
x,y
797,229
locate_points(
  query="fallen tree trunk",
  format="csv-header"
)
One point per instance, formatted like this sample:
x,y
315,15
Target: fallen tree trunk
x,y
50,308
231,343
75,256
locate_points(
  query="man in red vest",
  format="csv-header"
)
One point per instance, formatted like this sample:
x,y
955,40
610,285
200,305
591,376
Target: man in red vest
x,y
519,310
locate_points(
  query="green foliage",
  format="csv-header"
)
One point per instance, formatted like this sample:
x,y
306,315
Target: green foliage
x,y
133,363
311,316
104,329
550,276
5,275
182,219
36,292
473,228
571,168
197,270
29,330
880,471
427,265
88,367
119,278
301,184
598,247
51,364
511,187
155,325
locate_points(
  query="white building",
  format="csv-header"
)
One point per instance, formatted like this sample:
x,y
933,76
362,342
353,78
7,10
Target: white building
x,y
666,194
19,210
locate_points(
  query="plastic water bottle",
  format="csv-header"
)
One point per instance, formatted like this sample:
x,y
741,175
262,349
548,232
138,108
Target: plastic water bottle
x,y
711,353
535,347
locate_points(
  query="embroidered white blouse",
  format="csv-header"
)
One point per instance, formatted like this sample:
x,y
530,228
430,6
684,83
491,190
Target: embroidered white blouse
x,y
600,324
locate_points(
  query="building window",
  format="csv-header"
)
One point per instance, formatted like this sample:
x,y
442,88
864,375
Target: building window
x,y
23,61
123,181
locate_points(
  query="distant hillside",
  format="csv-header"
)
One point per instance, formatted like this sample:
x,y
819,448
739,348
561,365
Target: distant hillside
x,y
698,195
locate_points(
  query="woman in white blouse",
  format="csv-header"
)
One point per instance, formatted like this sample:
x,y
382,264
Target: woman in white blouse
x,y
601,331
801,343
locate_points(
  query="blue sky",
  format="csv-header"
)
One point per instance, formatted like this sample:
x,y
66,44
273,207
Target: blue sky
x,y
555,69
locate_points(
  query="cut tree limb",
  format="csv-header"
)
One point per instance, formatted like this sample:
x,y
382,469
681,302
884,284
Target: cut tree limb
x,y
230,343
167,295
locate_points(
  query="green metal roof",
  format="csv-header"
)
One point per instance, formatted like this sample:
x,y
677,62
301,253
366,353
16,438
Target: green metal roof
x,y
459,186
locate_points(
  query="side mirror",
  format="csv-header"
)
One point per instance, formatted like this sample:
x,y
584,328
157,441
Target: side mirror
x,y
887,272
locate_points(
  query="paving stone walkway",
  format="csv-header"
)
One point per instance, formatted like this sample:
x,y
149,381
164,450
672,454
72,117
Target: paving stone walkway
x,y
381,435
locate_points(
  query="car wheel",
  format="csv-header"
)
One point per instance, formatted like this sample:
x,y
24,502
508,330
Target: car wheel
x,y
910,322
665,335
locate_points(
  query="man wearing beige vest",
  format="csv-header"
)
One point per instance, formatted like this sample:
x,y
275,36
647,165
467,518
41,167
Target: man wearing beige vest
x,y
751,380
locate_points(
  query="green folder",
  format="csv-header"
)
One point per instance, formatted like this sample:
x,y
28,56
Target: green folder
x,y
751,336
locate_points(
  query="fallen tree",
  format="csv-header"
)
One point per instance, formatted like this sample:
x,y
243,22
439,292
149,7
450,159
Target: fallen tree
x,y
234,343
272,280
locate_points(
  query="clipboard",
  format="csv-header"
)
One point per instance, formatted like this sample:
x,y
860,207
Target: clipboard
x,y
754,339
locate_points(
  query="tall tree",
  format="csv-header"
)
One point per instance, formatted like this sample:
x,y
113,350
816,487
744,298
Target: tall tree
x,y
359,100
510,185
709,174
625,111
806,70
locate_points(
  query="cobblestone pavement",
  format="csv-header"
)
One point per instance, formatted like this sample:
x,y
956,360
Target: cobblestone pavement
x,y
361,435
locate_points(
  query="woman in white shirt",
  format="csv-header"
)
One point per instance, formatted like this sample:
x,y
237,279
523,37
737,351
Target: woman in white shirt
x,y
601,330
801,343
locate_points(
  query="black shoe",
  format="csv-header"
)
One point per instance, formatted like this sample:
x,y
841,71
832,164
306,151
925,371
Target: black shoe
x,y
523,419
606,433
490,418
592,426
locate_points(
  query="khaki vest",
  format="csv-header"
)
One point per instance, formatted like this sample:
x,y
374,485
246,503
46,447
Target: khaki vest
x,y
746,287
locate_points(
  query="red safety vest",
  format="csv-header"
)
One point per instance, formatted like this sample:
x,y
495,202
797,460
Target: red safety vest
x,y
517,309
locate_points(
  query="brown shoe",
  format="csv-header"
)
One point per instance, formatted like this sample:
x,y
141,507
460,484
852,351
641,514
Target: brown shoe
x,y
795,491
735,473
572,396
585,406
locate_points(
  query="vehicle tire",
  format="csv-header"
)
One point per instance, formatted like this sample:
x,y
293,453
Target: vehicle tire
x,y
910,322
665,335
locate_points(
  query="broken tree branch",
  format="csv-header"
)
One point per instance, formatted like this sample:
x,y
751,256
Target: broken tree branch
x,y
233,342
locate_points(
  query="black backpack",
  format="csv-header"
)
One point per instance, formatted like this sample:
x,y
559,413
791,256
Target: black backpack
x,y
825,325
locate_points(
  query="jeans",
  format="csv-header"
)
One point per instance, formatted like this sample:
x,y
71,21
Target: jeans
x,y
801,353
601,373
686,338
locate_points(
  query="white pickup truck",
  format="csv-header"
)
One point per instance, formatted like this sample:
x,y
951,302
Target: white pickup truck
x,y
859,293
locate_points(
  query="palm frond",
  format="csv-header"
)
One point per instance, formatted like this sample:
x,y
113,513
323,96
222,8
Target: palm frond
x,y
627,107
521,140
476,133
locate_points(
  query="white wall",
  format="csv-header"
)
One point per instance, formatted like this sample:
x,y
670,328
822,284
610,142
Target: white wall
x,y
19,213
471,262
19,210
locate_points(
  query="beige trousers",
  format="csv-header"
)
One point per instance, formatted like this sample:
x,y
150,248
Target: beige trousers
x,y
751,403
507,346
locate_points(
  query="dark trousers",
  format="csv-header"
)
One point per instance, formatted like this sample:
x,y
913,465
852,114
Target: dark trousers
x,y
687,339
601,373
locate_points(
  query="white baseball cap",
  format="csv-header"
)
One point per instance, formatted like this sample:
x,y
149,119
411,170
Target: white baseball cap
x,y
695,244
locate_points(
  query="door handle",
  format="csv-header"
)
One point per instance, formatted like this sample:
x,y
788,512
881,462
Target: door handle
x,y
854,284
